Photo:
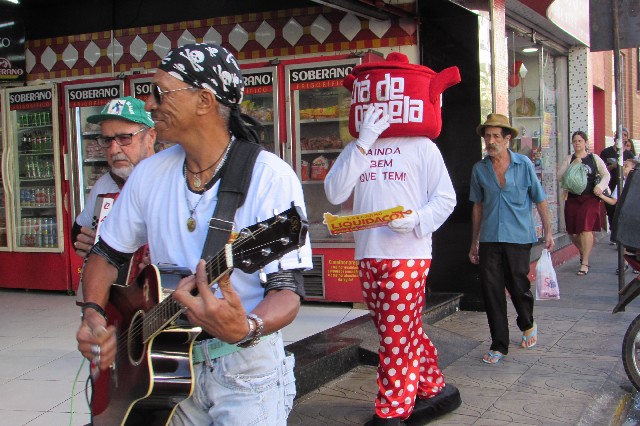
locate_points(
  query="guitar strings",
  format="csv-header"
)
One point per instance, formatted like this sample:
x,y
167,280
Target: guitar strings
x,y
156,313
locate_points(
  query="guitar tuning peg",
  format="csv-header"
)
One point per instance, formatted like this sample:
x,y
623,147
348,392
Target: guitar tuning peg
x,y
263,276
280,264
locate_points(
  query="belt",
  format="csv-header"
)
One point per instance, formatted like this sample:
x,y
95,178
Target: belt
x,y
212,349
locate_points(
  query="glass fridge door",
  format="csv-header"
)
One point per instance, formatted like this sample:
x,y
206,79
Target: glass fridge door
x,y
318,121
260,102
5,230
35,169
89,160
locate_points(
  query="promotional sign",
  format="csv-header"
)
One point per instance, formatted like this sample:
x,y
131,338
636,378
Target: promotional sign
x,y
93,96
12,53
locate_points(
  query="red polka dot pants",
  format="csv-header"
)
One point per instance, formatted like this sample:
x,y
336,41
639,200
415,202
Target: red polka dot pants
x,y
394,291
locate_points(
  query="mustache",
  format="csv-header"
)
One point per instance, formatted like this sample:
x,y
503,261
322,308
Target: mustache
x,y
119,157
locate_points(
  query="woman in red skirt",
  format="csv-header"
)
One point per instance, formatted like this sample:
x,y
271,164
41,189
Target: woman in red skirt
x,y
582,211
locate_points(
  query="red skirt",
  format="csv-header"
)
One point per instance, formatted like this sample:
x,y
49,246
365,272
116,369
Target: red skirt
x,y
582,214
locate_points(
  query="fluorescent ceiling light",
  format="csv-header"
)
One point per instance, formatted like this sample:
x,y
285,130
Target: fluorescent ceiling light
x,y
530,49
13,1
7,24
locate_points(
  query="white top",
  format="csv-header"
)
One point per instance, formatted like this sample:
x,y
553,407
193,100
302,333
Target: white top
x,y
152,208
104,185
406,171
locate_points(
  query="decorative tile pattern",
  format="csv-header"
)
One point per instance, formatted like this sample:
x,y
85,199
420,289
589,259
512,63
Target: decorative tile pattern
x,y
284,33
212,36
186,38
238,37
292,31
580,93
92,53
265,34
138,48
321,28
162,45
350,26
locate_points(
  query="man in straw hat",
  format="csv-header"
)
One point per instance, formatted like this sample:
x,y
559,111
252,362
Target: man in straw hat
x,y
503,187
241,374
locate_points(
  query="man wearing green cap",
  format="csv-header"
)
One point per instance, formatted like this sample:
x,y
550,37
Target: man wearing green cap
x,y
127,137
503,187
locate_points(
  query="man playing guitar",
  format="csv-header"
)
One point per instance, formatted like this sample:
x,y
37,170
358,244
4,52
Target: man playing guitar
x,y
167,203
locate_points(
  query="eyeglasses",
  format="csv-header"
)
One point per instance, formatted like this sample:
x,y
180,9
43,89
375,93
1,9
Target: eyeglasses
x,y
122,140
158,93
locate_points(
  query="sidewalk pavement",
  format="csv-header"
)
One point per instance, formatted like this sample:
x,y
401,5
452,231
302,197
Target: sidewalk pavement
x,y
573,376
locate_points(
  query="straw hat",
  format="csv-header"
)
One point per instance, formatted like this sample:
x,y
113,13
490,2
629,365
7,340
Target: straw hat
x,y
497,120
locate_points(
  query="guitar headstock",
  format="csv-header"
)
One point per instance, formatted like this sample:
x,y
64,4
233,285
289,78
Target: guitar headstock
x,y
266,241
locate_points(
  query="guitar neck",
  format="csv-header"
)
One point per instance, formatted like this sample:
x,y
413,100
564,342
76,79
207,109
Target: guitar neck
x,y
167,311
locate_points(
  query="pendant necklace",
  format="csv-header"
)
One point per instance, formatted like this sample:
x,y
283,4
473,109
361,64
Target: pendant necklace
x,y
197,182
191,221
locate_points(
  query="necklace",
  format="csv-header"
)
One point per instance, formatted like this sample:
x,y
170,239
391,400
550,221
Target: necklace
x,y
191,221
197,182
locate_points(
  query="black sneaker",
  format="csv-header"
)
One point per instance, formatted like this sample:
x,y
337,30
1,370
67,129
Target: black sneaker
x,y
426,410
379,421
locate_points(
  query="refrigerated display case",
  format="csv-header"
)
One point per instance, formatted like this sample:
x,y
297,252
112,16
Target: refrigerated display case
x,y
318,129
82,99
260,102
33,188
85,158
4,208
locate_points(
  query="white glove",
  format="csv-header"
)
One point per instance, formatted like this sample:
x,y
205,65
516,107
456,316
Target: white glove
x,y
375,122
405,224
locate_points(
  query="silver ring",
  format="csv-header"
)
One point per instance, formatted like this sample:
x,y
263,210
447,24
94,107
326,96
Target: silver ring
x,y
95,350
96,360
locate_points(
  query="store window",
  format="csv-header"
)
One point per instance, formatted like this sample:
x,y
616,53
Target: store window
x,y
533,98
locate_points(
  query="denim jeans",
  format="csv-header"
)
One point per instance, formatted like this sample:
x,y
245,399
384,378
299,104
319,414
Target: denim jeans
x,y
254,386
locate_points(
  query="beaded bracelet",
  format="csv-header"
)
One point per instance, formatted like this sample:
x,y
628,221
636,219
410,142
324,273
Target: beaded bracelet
x,y
95,307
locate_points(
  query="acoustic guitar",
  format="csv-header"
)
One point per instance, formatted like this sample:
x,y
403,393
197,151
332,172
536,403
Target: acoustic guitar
x,y
153,369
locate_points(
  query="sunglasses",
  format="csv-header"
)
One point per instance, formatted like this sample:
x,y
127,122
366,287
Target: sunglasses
x,y
122,140
158,93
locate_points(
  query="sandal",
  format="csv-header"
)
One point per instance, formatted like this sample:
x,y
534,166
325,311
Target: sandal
x,y
581,272
526,339
492,357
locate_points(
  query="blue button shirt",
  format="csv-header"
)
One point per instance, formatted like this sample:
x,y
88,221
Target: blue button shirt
x,y
507,215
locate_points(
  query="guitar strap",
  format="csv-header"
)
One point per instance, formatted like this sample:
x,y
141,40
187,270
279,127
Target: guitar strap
x,y
232,192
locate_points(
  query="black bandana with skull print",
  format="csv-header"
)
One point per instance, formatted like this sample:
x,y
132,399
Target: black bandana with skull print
x,y
212,67
207,66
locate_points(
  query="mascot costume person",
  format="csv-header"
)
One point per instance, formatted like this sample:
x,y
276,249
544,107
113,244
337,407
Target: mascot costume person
x,y
395,111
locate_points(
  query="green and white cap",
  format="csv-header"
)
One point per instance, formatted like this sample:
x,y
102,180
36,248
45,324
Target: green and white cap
x,y
127,108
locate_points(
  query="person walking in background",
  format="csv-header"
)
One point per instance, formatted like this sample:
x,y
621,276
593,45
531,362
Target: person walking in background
x,y
127,137
610,157
612,199
168,202
582,211
503,187
628,146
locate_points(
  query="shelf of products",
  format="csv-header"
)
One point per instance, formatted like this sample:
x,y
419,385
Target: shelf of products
x,y
36,211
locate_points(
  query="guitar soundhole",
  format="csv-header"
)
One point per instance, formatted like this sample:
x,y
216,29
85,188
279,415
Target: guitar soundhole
x,y
135,345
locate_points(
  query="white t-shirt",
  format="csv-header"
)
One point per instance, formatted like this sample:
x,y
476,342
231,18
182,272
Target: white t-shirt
x,y
152,208
406,171
104,185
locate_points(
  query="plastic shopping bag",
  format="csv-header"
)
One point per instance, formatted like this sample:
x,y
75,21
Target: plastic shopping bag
x,y
546,281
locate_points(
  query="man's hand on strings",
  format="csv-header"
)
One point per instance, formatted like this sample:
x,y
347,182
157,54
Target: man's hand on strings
x,y
224,318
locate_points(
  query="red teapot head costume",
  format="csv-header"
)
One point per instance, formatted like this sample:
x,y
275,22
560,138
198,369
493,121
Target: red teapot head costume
x,y
409,94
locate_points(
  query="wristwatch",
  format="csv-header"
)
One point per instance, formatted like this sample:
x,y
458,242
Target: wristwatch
x,y
256,326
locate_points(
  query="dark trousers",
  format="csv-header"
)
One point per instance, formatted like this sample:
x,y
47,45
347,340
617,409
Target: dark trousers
x,y
505,265
610,211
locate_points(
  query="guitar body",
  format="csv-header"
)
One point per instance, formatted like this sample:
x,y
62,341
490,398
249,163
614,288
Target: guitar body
x,y
148,381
